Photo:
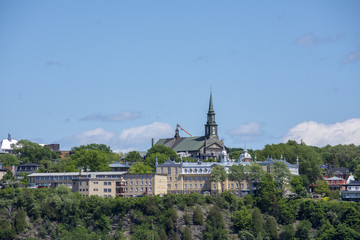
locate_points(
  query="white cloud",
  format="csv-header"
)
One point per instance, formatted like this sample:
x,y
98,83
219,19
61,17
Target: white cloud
x,y
354,56
136,138
319,134
116,117
247,132
310,39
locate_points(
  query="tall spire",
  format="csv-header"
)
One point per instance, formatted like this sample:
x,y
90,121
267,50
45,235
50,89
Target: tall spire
x,y
210,126
211,107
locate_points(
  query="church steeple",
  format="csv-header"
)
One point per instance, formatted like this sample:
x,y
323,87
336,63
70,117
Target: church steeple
x,y
211,126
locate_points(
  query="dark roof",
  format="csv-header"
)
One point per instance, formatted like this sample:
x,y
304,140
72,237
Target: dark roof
x,y
170,163
29,165
342,170
354,183
183,144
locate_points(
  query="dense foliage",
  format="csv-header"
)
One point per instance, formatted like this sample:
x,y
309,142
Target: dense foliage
x,y
61,214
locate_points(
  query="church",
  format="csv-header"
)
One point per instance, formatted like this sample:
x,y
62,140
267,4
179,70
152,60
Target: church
x,y
202,147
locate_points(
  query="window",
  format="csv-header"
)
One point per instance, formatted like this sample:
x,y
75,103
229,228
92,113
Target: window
x,y
195,186
142,189
247,185
150,183
242,185
162,170
105,189
145,182
176,171
170,178
185,185
190,186
200,178
169,186
95,189
137,189
131,189
175,186
109,189
190,178
150,189
109,183
200,185
137,183
105,183
185,178
169,170
142,182
232,185
195,178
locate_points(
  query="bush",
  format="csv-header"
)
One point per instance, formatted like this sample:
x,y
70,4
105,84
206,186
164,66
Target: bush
x,y
198,217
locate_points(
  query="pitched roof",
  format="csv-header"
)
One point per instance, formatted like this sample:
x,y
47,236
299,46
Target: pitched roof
x,y
183,144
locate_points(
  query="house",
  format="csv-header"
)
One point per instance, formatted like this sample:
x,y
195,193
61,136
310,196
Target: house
x,y
351,192
27,168
120,167
335,183
7,145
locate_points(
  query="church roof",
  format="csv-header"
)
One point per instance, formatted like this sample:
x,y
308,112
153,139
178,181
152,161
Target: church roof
x,y
183,144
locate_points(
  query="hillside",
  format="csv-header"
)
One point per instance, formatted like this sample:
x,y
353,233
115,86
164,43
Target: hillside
x,y
60,214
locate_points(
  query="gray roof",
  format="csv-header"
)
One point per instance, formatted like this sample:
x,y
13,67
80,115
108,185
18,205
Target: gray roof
x,y
183,144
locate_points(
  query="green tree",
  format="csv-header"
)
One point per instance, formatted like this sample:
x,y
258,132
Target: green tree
x,y
187,234
92,160
237,173
215,225
30,152
303,230
321,187
160,149
281,175
93,146
297,186
257,223
271,228
218,174
266,193
140,168
357,173
254,172
8,160
187,219
198,217
242,219
20,220
288,232
133,156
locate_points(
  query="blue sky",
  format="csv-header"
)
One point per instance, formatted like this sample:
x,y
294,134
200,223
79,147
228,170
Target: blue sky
x,y
122,72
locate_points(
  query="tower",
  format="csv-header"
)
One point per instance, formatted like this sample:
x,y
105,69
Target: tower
x,y
211,126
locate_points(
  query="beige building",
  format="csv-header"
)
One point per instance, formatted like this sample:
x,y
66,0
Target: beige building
x,y
128,185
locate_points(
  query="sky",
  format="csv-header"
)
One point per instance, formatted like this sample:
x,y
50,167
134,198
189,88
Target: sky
x,y
123,72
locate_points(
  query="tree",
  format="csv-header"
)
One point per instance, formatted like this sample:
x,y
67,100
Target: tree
x,y
237,173
265,196
160,149
93,146
8,160
198,217
133,156
30,152
218,174
187,234
321,187
215,225
288,232
20,220
357,173
140,168
257,222
281,175
93,157
242,219
297,187
303,230
254,171
271,228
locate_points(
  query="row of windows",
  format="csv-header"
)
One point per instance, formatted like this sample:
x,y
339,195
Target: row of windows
x,y
55,178
190,186
138,176
169,171
137,189
141,183
107,190
196,178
